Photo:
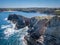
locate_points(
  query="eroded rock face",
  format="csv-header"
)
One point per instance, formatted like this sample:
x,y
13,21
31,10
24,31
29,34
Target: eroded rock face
x,y
36,31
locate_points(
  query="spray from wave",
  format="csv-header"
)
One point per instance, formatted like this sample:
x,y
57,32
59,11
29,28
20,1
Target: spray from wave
x,y
13,36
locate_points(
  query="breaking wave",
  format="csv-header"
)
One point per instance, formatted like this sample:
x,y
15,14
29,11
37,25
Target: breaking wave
x,y
12,34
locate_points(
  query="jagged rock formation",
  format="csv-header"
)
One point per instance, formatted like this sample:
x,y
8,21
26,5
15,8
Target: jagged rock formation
x,y
48,29
36,31
36,26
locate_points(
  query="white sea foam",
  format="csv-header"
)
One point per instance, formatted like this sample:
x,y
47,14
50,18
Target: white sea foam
x,y
10,31
5,18
5,26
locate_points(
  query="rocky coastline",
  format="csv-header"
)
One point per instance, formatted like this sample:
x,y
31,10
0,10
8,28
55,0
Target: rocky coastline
x,y
41,31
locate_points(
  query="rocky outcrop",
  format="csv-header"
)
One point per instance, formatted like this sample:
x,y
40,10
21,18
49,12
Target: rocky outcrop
x,y
48,29
19,20
51,35
36,26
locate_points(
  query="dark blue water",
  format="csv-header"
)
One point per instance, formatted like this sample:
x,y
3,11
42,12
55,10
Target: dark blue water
x,y
8,36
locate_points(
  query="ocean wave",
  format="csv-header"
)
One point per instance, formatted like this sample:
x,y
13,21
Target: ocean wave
x,y
12,34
